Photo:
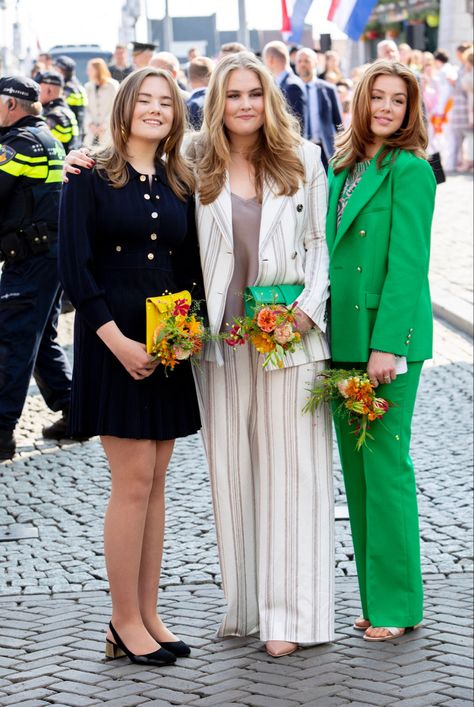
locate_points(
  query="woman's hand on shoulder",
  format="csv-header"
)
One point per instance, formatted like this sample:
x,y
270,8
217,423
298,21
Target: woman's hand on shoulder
x,y
76,158
381,368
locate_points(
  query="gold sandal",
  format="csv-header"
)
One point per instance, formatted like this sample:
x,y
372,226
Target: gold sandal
x,y
393,632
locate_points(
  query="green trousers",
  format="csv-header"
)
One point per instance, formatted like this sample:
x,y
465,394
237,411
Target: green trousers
x,y
381,494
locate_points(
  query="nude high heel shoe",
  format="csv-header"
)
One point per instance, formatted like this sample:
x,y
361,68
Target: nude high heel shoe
x,y
277,649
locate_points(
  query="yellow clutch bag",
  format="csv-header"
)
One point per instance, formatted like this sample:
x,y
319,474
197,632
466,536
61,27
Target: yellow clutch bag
x,y
159,307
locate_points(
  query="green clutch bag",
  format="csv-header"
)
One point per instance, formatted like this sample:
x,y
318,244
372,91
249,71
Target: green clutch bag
x,y
256,296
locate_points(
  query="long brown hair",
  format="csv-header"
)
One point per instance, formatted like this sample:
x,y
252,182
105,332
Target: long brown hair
x,y
102,73
274,156
113,159
412,136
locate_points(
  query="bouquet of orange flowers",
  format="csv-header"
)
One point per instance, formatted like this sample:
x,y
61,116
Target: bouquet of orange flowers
x,y
179,334
356,397
272,330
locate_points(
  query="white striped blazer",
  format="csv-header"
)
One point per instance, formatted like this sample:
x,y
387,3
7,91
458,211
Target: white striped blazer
x,y
292,250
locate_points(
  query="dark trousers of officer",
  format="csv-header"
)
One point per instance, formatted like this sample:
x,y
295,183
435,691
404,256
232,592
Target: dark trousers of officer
x,y
29,311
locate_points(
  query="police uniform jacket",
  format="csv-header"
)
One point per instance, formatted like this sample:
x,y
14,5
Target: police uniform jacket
x,y
30,176
379,260
62,123
76,98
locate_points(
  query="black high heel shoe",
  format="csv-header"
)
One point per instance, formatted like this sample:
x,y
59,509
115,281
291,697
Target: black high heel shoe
x,y
118,649
178,648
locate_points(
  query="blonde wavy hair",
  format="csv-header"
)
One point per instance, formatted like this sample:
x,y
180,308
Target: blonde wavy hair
x,y
412,135
274,156
112,160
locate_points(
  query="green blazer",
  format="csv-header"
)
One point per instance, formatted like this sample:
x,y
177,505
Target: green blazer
x,y
379,259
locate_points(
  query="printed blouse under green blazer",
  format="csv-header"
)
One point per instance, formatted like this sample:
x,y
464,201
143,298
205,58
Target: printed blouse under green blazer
x,y
379,259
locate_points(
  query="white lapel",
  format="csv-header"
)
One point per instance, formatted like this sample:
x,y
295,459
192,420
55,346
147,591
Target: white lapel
x,y
221,209
272,207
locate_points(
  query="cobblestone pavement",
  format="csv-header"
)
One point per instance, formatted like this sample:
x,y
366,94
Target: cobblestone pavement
x,y
52,646
451,253
54,605
62,491
452,249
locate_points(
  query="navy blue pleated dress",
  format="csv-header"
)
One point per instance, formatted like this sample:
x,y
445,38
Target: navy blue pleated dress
x,y
116,248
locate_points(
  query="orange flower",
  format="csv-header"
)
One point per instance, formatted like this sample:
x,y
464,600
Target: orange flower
x,y
366,387
262,343
266,319
352,389
192,327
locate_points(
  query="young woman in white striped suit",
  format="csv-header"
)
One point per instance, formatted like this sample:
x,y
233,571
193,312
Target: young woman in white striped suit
x,y
261,210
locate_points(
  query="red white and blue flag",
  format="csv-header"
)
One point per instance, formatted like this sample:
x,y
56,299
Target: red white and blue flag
x,y
285,18
295,25
351,16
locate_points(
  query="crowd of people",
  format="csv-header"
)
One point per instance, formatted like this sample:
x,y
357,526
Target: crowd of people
x,y
241,199
446,86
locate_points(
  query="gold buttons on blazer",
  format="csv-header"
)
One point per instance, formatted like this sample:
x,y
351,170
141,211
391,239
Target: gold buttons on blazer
x,y
362,234
153,236
154,214
407,342
142,178
150,256
118,248
147,196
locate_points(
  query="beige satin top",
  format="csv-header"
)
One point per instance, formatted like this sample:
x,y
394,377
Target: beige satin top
x,y
246,215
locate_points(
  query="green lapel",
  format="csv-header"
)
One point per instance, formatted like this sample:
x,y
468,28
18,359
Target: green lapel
x,y
336,182
371,181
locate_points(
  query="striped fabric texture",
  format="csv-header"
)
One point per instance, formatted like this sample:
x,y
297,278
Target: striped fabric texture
x,y
271,479
270,465
292,250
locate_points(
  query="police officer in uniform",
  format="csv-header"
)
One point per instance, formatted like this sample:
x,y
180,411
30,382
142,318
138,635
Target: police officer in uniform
x,y
59,117
142,53
30,182
74,92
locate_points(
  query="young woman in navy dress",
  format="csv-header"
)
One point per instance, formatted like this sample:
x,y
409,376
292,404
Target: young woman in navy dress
x,y
127,232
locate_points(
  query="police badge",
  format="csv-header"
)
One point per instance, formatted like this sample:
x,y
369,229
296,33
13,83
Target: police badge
x,y
6,154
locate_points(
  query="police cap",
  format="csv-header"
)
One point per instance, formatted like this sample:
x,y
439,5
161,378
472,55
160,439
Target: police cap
x,y
64,62
50,77
19,87
139,47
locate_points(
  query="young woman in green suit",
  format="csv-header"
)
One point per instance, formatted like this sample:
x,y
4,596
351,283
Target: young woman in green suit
x,y
381,201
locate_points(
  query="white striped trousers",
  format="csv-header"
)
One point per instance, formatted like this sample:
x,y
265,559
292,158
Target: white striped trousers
x,y
271,478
